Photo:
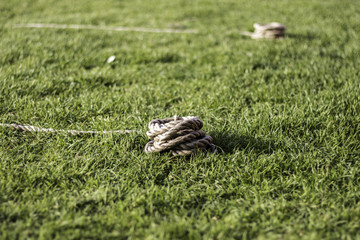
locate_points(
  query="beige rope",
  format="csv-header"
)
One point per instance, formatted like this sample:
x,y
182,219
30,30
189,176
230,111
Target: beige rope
x,y
269,30
179,135
104,28
29,128
272,30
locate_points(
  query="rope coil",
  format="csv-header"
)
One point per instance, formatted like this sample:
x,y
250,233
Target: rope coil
x,y
179,135
272,30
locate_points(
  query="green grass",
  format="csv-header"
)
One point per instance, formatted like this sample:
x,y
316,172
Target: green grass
x,y
285,113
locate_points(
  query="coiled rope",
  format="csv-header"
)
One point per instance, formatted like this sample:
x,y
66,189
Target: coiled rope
x,y
272,30
179,135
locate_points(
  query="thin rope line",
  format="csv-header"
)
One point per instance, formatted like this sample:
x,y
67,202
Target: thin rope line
x,y
250,34
30,128
104,28
272,30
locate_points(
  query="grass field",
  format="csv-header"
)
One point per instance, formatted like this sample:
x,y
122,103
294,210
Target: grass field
x,y
286,115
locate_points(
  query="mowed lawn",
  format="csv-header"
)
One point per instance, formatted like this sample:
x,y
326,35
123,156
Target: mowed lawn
x,y
285,116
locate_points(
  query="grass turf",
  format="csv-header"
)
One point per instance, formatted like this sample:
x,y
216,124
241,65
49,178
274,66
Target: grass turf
x,y
285,113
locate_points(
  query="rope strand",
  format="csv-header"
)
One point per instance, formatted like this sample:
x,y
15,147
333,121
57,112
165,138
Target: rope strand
x,y
29,128
104,28
268,30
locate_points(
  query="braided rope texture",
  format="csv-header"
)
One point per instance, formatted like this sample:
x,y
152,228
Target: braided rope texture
x,y
272,30
178,135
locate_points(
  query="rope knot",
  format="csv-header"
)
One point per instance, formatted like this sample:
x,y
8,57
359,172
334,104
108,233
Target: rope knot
x,y
272,30
179,135
268,30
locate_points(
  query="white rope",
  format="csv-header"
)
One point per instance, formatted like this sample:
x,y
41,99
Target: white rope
x,y
29,128
268,30
178,135
272,30
104,28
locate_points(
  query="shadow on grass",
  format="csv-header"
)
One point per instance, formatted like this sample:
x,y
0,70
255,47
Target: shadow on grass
x,y
302,37
230,143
